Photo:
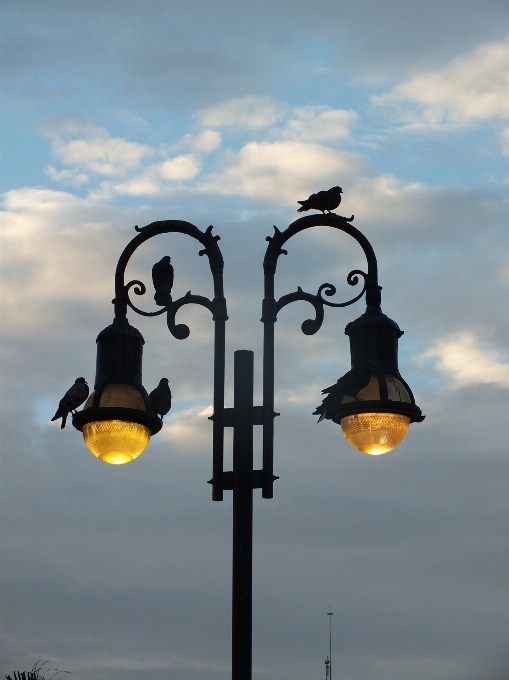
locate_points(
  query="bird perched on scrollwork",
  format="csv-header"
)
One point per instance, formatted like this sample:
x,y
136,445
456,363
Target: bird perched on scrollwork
x,y
160,398
326,201
348,386
162,278
73,398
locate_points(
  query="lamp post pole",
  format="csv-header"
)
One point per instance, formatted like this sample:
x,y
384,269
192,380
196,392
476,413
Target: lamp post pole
x,y
120,397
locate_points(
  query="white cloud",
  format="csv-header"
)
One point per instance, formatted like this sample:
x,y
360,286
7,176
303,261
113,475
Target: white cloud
x,y
505,142
95,150
205,141
189,429
318,124
73,177
146,184
472,87
179,168
250,112
49,239
152,181
461,357
282,171
109,156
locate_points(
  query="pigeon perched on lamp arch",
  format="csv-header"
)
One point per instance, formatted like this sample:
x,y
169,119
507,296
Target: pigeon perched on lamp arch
x,y
162,278
160,398
326,201
74,397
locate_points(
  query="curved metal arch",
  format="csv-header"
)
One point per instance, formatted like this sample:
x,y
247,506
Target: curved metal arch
x,y
271,307
180,331
275,249
211,249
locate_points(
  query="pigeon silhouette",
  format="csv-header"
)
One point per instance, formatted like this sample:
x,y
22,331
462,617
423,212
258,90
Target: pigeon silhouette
x,y
160,398
73,398
349,385
326,201
162,278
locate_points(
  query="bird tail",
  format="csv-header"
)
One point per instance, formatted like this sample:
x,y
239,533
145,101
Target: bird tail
x,y
303,206
162,298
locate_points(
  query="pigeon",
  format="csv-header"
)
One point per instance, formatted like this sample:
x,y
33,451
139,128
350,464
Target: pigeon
x,y
349,385
326,201
160,398
73,398
162,278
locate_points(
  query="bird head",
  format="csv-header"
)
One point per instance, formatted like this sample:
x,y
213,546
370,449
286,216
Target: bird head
x,y
81,380
338,190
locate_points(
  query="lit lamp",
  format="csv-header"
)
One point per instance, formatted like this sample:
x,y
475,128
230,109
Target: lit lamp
x,y
117,421
372,402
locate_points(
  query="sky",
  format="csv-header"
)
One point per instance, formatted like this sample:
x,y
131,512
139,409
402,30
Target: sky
x,y
119,113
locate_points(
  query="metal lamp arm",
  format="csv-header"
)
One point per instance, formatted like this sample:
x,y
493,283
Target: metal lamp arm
x,y
180,331
278,240
271,307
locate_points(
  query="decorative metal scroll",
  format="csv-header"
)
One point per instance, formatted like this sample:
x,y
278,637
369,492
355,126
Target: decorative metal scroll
x,y
217,306
274,250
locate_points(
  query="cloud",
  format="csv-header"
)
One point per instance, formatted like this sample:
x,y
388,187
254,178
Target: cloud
x,y
73,177
49,239
179,168
505,142
318,124
250,112
473,87
461,357
100,153
189,429
205,141
152,181
282,171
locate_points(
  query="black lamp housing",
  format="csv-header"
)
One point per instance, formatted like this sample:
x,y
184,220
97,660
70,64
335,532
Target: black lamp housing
x,y
119,362
374,352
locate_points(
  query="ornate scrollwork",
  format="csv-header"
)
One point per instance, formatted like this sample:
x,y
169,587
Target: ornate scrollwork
x,y
141,289
162,277
312,326
181,331
275,249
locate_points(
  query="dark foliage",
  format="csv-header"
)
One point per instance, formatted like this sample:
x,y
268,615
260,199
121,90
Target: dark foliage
x,y
36,673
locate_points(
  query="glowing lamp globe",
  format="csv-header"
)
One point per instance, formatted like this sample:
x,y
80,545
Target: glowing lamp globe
x,y
116,441
117,421
375,433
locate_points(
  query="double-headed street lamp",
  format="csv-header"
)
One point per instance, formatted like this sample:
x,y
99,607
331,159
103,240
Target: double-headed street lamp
x,y
371,402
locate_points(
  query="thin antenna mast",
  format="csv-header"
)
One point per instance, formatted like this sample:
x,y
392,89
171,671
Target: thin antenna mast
x,y
328,666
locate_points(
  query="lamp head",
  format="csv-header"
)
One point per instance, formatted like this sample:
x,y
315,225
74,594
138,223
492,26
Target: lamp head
x,y
372,402
117,421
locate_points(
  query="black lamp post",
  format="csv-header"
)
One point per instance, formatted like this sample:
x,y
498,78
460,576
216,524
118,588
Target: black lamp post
x,y
372,402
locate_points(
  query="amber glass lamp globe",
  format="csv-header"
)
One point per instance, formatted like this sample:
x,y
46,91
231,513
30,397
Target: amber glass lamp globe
x,y
117,441
377,432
